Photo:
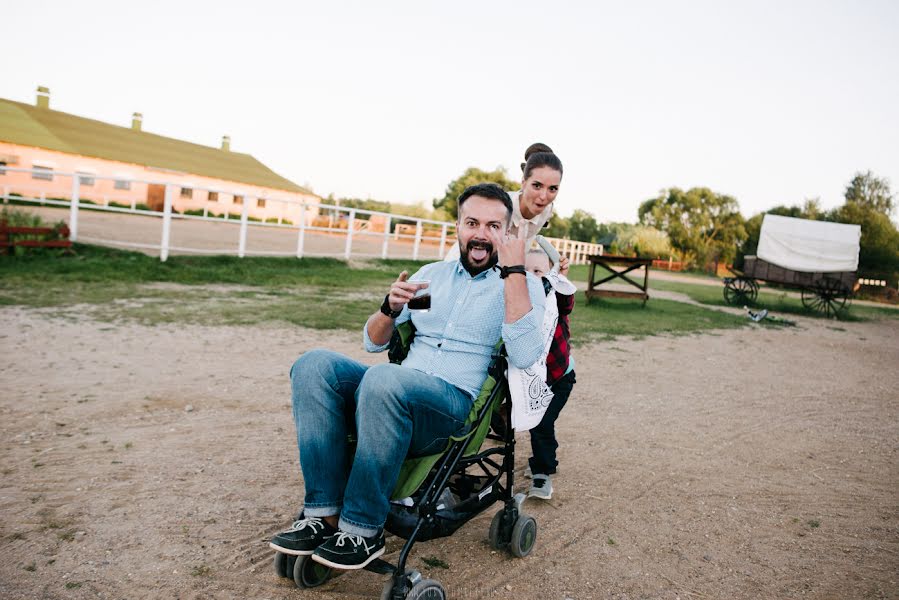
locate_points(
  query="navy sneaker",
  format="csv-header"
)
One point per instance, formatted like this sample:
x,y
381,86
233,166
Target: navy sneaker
x,y
303,537
348,551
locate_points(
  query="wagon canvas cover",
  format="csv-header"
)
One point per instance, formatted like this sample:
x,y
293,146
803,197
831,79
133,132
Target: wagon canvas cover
x,y
810,246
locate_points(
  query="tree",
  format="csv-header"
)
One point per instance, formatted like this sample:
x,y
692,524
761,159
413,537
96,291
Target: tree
x,y
582,226
558,227
644,241
867,190
878,254
471,176
701,224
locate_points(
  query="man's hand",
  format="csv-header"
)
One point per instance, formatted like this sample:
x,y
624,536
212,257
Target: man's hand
x,y
510,251
401,291
563,265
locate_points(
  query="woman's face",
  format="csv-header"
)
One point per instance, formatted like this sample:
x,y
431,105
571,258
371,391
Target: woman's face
x,y
538,191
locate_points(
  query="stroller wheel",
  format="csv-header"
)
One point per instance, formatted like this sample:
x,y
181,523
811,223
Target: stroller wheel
x,y
309,574
524,536
427,589
284,565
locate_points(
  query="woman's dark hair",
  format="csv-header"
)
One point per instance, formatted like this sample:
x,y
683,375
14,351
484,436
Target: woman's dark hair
x,y
540,155
491,191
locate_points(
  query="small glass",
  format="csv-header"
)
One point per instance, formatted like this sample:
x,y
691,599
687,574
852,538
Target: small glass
x,y
422,300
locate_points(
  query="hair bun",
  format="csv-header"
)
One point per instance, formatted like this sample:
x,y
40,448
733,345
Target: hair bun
x,y
537,147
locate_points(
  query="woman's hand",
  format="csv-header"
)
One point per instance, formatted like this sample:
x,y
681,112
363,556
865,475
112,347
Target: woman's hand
x,y
563,265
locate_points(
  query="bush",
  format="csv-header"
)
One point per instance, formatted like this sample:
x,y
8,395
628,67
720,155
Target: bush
x,y
21,218
195,212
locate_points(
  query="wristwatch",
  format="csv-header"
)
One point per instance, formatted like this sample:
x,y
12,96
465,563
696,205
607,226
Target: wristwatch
x,y
506,271
385,308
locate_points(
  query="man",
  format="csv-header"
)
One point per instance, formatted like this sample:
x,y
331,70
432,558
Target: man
x,y
413,408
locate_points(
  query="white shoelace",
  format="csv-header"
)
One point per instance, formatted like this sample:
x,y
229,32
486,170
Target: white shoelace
x,y
312,523
357,540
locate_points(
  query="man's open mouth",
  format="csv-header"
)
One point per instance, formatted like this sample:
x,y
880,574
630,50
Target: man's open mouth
x,y
479,251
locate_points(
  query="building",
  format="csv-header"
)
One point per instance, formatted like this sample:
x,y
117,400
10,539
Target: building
x,y
114,165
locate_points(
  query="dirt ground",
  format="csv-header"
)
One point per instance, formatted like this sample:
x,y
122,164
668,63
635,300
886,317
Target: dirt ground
x,y
155,462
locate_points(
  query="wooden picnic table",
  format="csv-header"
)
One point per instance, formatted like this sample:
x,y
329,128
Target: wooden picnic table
x,y
608,262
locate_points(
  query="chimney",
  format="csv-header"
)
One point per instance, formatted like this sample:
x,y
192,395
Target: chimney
x,y
226,143
43,97
136,120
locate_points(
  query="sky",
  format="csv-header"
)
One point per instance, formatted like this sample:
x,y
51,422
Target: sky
x,y
770,102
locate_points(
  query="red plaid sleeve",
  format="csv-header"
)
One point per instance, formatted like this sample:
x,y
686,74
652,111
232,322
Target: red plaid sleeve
x,y
559,350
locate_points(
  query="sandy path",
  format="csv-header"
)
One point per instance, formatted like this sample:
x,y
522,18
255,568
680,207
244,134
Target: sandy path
x,y
692,467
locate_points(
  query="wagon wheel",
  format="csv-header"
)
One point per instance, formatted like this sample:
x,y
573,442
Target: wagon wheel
x,y
740,291
829,296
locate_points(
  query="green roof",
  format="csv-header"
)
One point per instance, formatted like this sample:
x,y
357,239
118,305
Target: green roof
x,y
29,125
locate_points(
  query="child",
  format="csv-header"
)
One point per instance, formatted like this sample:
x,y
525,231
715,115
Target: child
x,y
559,376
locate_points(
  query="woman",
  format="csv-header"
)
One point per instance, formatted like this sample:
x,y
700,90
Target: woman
x,y
532,206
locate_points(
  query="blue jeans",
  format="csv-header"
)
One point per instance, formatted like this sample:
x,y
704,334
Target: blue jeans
x,y
395,411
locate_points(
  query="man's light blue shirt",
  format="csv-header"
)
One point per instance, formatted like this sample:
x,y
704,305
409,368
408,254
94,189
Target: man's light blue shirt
x,y
455,339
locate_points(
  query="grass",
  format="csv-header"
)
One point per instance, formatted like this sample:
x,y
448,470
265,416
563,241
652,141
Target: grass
x,y
777,301
613,317
434,562
315,292
119,286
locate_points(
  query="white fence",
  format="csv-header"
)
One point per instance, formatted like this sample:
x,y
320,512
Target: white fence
x,y
338,231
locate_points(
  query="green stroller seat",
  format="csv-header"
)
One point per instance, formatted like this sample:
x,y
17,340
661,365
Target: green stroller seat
x,y
436,494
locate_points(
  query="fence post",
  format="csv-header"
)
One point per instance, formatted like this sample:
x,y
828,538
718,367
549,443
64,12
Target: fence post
x,y
244,213
386,237
442,241
301,240
417,240
349,234
73,208
5,194
166,224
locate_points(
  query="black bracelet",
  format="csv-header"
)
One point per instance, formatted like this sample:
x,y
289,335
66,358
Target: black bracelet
x,y
506,271
389,312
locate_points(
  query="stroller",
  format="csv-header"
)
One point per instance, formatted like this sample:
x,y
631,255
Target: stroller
x,y
435,495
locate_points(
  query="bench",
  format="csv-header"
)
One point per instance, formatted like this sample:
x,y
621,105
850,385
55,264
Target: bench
x,y
8,241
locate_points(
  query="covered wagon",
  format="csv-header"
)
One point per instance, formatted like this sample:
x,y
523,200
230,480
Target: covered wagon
x,y
818,257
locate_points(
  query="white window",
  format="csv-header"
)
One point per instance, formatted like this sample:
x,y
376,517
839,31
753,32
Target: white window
x,y
2,170
121,184
42,172
213,196
238,199
187,192
85,177
260,203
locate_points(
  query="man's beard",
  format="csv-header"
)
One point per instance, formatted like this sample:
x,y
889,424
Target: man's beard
x,y
476,267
